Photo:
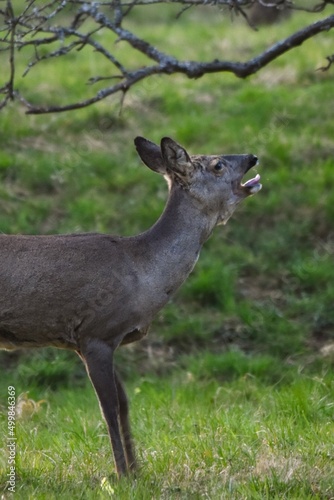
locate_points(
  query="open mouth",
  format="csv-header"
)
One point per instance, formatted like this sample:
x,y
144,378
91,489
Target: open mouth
x,y
252,186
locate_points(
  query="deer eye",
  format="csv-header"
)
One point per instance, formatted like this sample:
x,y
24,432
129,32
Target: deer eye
x,y
219,166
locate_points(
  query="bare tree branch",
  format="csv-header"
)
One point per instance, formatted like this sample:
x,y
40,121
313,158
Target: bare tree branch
x,y
9,40
74,24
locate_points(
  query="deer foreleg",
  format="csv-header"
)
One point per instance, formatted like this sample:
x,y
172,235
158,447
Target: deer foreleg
x,y
98,357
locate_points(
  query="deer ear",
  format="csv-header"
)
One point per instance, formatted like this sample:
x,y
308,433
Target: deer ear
x,y
150,154
177,159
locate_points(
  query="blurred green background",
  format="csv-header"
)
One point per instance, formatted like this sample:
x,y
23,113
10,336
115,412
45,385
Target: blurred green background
x,y
252,328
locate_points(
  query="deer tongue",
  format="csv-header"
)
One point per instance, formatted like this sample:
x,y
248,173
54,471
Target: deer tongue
x,y
253,185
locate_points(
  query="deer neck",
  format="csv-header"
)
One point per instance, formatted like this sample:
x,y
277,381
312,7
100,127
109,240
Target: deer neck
x,y
172,245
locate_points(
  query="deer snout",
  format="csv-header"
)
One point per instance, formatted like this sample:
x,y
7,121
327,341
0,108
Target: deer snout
x,y
253,161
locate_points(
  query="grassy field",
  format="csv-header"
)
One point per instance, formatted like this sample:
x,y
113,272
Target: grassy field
x,y
232,394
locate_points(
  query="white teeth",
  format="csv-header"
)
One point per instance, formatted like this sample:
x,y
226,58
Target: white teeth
x,y
254,189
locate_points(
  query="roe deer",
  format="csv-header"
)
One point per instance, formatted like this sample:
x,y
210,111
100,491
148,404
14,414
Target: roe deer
x,y
94,292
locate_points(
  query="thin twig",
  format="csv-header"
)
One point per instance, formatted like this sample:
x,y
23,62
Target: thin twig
x,y
330,60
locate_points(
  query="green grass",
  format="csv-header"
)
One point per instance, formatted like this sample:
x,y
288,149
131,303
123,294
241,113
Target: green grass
x,y
232,393
197,437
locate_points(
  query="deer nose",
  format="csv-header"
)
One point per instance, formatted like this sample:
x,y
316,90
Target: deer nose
x,y
253,161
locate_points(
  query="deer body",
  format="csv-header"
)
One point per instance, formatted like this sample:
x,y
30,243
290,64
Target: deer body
x,y
92,292
114,284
